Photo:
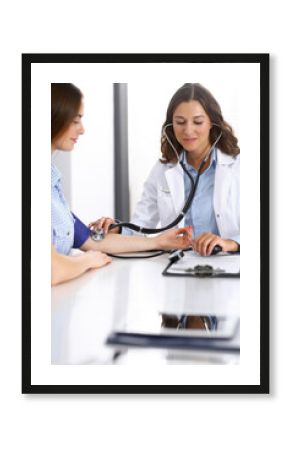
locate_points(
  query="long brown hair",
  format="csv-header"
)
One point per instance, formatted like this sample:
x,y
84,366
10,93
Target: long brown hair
x,y
65,104
228,143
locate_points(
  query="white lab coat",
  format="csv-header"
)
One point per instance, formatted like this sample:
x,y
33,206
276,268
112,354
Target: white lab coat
x,y
163,196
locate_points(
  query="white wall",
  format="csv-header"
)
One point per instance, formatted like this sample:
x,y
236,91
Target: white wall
x,y
92,174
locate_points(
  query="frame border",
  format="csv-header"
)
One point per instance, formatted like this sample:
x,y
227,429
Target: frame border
x,y
263,60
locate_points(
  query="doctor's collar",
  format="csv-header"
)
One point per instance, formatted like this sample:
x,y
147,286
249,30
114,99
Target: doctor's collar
x,y
213,158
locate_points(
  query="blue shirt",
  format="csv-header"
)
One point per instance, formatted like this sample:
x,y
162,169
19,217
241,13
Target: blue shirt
x,y
67,231
201,214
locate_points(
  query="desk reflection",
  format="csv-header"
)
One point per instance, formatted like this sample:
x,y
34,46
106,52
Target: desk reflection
x,y
193,322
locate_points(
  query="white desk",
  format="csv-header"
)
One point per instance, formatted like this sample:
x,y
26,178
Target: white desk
x,y
85,310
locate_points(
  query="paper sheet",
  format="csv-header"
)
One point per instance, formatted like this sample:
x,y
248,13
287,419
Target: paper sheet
x,y
224,262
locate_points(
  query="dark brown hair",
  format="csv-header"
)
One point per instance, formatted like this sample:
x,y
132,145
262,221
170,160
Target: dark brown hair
x,y
65,104
228,143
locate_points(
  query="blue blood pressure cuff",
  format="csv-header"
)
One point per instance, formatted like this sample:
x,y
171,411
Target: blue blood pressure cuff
x,y
81,232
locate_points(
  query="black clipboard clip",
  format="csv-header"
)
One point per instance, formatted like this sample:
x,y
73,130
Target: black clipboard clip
x,y
204,270
200,271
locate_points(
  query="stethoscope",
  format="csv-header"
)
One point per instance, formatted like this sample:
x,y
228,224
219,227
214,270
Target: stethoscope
x,y
187,204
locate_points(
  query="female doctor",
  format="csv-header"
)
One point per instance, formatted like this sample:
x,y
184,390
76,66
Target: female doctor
x,y
67,231
196,128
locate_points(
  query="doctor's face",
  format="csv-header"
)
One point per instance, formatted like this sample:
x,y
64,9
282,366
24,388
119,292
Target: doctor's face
x,y
191,126
70,136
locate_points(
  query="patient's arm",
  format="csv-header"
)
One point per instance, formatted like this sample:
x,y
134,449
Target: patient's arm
x,y
117,243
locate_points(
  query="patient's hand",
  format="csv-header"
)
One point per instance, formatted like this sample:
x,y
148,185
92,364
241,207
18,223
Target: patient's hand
x,y
97,259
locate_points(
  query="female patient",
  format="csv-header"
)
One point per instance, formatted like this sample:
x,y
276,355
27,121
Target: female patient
x,y
67,231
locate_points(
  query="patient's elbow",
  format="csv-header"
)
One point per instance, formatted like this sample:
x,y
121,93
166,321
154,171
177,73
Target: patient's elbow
x,y
57,268
55,279
56,275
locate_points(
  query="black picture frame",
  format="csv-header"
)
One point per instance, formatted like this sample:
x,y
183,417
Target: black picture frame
x,y
263,60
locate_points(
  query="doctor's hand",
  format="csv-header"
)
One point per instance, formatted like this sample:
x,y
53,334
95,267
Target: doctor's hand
x,y
103,224
176,238
205,243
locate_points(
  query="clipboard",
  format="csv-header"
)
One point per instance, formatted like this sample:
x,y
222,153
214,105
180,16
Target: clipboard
x,y
222,265
173,341
225,339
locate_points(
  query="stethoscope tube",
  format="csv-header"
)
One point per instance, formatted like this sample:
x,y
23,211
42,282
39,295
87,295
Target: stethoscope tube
x,y
188,201
176,221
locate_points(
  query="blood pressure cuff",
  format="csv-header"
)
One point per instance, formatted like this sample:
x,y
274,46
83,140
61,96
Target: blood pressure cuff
x,y
81,232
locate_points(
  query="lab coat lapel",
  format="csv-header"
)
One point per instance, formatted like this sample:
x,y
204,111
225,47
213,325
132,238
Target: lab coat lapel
x,y
174,178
